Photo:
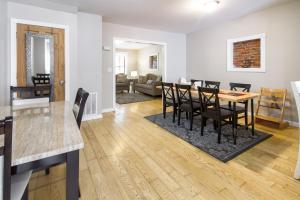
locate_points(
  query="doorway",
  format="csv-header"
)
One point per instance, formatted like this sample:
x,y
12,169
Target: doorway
x,y
41,54
136,61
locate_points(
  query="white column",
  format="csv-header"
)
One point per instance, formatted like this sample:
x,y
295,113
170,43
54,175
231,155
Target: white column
x,y
296,92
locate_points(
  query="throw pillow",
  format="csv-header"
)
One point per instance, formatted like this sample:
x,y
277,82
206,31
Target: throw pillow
x,y
149,82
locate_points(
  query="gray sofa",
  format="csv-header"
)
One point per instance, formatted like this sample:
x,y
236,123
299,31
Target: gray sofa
x,y
122,83
148,85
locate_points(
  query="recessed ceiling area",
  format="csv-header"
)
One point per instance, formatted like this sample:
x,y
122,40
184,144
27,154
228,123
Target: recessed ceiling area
x,y
181,16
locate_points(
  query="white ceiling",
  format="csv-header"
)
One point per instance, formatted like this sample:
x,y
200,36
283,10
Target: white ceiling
x,y
168,15
121,44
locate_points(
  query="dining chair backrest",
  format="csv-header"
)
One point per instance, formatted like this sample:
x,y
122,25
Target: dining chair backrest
x,y
209,98
79,105
30,94
240,87
198,83
6,126
40,81
184,95
40,75
168,93
212,84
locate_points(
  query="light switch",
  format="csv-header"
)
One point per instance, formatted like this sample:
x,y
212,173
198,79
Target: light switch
x,y
109,70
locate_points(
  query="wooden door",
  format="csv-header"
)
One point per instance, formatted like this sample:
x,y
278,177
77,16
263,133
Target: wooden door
x,y
59,56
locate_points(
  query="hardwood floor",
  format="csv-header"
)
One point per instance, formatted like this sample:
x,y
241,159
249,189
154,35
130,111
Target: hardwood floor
x,y
128,157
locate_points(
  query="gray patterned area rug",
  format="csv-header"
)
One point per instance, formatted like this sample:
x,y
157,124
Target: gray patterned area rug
x,y
208,142
125,98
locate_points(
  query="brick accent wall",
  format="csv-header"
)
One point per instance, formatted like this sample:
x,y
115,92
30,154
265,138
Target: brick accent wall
x,y
246,54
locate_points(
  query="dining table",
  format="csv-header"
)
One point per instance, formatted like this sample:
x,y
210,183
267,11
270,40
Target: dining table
x,y
234,97
45,135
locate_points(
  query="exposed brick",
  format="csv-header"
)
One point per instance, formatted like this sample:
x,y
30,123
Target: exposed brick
x,y
247,54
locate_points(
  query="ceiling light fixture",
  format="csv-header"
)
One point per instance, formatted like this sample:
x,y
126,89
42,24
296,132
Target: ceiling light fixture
x,y
211,5
203,5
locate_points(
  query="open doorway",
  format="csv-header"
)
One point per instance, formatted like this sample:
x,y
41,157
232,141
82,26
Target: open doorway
x,y
139,67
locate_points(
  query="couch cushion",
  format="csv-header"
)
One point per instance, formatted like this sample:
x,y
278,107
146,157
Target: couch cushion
x,y
142,79
149,82
151,77
121,78
144,86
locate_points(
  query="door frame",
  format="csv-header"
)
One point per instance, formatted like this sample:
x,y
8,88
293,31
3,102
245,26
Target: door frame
x,y
13,50
164,74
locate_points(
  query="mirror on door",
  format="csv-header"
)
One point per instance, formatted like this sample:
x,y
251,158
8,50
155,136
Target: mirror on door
x,y
39,59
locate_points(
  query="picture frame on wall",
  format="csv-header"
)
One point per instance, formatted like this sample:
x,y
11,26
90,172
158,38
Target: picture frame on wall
x,y
247,54
154,61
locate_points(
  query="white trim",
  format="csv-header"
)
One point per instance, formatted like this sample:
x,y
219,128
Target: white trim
x,y
91,117
13,50
291,123
230,66
107,110
295,124
164,74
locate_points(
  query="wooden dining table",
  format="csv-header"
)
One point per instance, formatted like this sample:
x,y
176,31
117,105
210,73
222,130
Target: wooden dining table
x,y
45,135
234,97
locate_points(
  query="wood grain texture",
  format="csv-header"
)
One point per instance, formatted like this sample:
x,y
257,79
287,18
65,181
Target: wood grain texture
x,y
226,95
128,157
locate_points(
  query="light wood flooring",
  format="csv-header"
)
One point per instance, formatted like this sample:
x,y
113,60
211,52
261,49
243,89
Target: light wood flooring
x,y
128,157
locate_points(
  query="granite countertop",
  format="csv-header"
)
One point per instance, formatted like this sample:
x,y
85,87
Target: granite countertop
x,y
42,131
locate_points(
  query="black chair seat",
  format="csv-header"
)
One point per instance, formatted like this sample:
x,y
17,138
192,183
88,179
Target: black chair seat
x,y
212,113
187,106
239,109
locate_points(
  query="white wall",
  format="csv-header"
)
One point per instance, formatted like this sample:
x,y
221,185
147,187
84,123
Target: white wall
x,y
176,54
132,64
3,25
143,60
206,50
32,13
90,54
84,44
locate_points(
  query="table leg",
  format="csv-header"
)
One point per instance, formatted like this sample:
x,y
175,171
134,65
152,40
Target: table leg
x,y
234,122
252,117
72,183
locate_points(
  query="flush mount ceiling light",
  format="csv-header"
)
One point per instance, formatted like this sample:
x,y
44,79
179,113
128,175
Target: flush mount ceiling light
x,y
203,5
210,5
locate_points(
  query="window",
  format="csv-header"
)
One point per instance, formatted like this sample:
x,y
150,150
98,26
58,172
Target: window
x,y
121,63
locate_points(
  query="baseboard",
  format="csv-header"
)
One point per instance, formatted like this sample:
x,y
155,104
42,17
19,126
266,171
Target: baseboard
x,y
107,110
295,124
291,123
91,117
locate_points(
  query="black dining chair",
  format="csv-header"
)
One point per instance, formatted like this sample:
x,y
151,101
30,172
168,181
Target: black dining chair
x,y
29,92
40,80
186,103
41,75
79,104
78,108
243,109
210,109
12,186
169,99
193,81
212,84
